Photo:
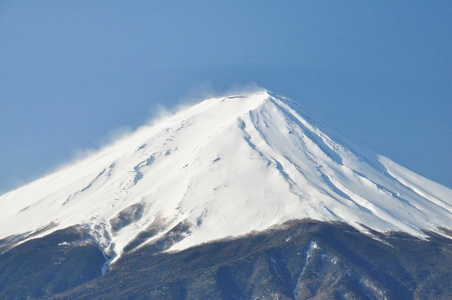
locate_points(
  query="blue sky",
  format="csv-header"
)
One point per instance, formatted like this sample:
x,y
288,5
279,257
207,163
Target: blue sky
x,y
75,73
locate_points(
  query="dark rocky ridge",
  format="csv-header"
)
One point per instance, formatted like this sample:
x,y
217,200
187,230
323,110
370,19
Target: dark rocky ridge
x,y
53,264
300,260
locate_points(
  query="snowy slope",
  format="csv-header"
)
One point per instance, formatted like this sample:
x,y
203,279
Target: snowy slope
x,y
226,167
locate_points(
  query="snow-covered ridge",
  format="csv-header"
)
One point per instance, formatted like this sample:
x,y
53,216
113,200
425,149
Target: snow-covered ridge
x,y
225,167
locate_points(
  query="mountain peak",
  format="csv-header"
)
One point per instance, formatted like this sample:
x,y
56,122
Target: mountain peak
x,y
222,168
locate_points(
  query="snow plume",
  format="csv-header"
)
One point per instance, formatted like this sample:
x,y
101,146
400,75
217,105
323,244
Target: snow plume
x,y
13,183
206,90
196,94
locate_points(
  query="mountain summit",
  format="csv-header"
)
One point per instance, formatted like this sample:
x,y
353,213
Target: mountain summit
x,y
223,168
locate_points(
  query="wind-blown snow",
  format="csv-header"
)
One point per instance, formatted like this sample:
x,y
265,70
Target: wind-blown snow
x,y
226,167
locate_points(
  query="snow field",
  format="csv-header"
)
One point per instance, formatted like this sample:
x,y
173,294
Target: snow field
x,y
226,166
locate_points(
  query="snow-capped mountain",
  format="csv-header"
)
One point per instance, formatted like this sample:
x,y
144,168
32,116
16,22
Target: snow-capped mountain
x,y
224,168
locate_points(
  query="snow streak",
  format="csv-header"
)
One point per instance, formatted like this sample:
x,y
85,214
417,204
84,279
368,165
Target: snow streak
x,y
312,246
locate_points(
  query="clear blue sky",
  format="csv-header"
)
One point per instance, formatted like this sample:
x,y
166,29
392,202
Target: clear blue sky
x,y
72,73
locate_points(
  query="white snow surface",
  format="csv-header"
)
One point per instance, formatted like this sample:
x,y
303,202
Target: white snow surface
x,y
227,166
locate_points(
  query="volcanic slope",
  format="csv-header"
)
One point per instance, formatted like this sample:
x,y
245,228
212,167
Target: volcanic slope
x,y
223,168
